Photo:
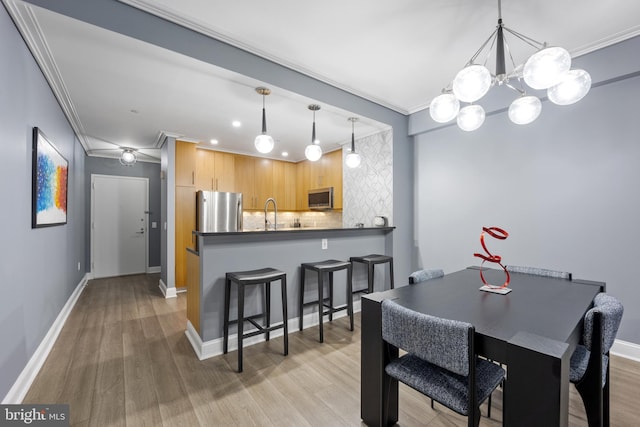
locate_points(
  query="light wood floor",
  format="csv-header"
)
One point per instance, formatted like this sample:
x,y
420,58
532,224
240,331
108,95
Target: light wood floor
x,y
122,359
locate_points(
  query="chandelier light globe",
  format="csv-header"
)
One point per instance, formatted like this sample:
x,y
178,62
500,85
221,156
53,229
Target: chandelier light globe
x,y
353,160
264,143
525,110
472,83
471,117
313,152
546,67
444,108
574,85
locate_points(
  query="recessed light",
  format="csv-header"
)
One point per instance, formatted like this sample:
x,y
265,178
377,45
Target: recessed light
x,y
285,154
214,141
236,123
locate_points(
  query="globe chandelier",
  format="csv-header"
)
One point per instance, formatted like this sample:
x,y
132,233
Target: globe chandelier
x,y
313,152
548,68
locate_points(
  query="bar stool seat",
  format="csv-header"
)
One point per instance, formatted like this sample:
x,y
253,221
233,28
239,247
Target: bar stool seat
x,y
329,267
254,277
371,261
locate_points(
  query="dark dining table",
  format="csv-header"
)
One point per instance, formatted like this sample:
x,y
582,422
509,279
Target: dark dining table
x,y
533,330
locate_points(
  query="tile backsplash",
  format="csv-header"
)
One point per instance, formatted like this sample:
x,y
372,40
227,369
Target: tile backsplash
x,y
325,219
368,189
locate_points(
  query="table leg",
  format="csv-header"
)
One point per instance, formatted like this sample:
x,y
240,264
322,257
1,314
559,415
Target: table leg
x,y
536,392
378,395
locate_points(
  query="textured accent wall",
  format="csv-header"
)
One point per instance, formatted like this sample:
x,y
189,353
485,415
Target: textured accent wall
x,y
368,189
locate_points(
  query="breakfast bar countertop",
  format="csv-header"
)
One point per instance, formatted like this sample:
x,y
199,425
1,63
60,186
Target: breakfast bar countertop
x,y
291,230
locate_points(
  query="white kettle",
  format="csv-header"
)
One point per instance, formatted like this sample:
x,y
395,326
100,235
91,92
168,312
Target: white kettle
x,y
380,221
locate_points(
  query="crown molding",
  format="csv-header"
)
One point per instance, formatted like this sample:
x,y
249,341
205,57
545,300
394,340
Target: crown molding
x,y
29,27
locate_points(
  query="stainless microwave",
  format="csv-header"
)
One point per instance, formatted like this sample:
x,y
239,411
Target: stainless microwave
x,y
321,198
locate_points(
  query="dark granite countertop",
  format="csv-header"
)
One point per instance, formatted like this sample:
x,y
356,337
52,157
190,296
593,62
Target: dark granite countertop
x,y
292,230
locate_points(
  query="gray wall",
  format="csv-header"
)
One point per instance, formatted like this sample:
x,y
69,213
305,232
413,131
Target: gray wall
x,y
102,166
124,19
564,187
38,267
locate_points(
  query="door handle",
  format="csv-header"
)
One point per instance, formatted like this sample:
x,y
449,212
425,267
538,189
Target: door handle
x,y
140,232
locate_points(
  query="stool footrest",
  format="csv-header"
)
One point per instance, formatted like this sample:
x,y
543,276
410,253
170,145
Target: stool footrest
x,y
262,330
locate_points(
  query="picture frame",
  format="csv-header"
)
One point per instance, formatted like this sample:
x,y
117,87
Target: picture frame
x,y
50,173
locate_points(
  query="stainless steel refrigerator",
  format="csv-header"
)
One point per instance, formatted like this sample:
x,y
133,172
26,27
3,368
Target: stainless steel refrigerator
x,y
217,211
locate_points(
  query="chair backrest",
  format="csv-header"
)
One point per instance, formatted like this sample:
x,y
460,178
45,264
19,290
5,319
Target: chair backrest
x,y
443,342
424,275
611,311
539,271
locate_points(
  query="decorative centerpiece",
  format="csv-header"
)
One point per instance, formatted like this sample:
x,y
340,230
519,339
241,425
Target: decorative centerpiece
x,y
500,234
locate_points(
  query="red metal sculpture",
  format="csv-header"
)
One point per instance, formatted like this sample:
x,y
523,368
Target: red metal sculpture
x,y
497,233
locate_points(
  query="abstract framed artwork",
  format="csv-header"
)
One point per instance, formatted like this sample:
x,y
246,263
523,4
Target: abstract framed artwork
x,y
50,172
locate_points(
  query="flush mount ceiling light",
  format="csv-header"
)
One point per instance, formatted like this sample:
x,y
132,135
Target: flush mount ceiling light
x,y
548,68
264,143
313,152
353,159
128,157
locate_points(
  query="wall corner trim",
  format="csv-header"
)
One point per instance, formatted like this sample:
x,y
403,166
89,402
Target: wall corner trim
x,y
167,292
20,388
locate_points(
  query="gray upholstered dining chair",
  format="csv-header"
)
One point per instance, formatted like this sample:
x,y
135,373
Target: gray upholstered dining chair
x,y
424,275
440,361
538,271
589,366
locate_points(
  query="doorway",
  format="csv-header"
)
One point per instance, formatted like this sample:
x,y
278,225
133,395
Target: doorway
x,y
119,208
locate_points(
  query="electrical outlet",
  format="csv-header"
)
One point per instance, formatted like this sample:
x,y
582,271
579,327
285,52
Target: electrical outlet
x,y
325,243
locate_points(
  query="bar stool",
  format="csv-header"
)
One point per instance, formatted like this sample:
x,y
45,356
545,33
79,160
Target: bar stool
x,y
322,267
254,277
371,261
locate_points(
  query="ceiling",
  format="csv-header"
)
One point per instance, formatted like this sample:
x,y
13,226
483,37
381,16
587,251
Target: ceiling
x,y
119,91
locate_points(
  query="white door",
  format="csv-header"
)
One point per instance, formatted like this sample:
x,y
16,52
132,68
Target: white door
x,y
119,208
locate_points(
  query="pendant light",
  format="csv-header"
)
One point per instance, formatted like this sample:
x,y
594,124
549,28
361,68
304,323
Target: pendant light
x,y
264,143
353,159
313,152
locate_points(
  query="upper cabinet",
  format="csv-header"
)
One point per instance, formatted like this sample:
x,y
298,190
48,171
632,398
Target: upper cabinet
x,y
257,178
284,185
254,179
224,176
326,172
215,170
205,170
185,164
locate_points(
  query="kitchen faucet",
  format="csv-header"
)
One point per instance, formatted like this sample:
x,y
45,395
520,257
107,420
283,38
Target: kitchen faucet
x,y
275,213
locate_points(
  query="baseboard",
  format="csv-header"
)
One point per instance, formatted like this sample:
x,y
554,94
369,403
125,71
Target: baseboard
x,y
20,388
167,292
626,349
153,270
181,290
207,349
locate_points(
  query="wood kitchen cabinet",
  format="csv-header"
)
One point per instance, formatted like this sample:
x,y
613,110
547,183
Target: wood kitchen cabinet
x,y
284,185
185,163
326,172
224,171
215,170
205,170
185,224
254,179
